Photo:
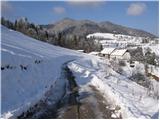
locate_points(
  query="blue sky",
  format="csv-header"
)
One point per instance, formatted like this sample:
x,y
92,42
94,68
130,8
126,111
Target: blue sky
x,y
142,15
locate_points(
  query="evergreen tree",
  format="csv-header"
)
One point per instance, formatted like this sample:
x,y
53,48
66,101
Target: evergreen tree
x,y
59,39
46,34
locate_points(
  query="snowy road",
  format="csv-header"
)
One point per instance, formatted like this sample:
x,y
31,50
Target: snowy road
x,y
87,105
92,106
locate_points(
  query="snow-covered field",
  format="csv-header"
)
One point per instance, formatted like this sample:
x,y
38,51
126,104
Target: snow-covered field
x,y
29,68
122,41
153,48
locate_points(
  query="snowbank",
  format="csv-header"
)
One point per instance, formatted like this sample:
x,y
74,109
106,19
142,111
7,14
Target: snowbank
x,y
119,90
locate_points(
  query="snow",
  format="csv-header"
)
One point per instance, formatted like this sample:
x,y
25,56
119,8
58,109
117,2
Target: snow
x,y
23,88
94,53
122,41
102,35
80,51
107,50
118,89
119,52
147,107
153,69
154,48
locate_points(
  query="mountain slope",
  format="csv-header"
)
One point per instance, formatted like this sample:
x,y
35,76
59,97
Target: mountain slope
x,y
31,68
74,27
84,27
119,29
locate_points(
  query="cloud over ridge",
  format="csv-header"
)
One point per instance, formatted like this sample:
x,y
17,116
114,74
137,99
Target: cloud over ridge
x,y
136,9
59,10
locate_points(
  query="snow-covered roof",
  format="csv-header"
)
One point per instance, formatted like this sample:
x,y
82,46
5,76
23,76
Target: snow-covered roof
x,y
80,50
119,52
107,50
102,35
94,53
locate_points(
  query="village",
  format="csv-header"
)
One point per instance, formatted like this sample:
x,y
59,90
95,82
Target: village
x,y
79,59
118,48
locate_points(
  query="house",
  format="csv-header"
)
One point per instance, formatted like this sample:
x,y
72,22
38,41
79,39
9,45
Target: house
x,y
120,54
106,52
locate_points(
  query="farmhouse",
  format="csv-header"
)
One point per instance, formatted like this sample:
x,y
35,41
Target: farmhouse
x,y
106,52
121,54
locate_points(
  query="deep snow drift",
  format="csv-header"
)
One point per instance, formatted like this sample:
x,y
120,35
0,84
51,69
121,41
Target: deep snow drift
x,y
30,67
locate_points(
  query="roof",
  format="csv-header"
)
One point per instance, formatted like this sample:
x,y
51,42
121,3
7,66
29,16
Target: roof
x,y
80,50
107,36
119,52
94,53
107,50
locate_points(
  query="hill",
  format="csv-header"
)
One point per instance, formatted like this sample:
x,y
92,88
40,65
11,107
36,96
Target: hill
x,y
84,27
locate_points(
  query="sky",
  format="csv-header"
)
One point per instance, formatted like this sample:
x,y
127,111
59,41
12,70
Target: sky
x,y
136,14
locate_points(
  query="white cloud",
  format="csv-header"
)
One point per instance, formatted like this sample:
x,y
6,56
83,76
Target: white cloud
x,y
6,7
59,10
136,9
88,3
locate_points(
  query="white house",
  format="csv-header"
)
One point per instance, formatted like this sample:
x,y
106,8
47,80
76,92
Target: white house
x,y
120,54
106,52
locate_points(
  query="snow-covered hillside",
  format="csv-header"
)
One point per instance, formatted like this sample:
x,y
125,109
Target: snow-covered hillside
x,y
30,68
121,41
23,87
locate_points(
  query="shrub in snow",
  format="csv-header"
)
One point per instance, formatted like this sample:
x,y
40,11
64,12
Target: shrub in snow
x,y
117,107
139,69
37,61
140,79
116,67
122,63
114,64
2,68
132,63
115,112
153,89
151,58
7,67
24,67
145,40
120,70
136,54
